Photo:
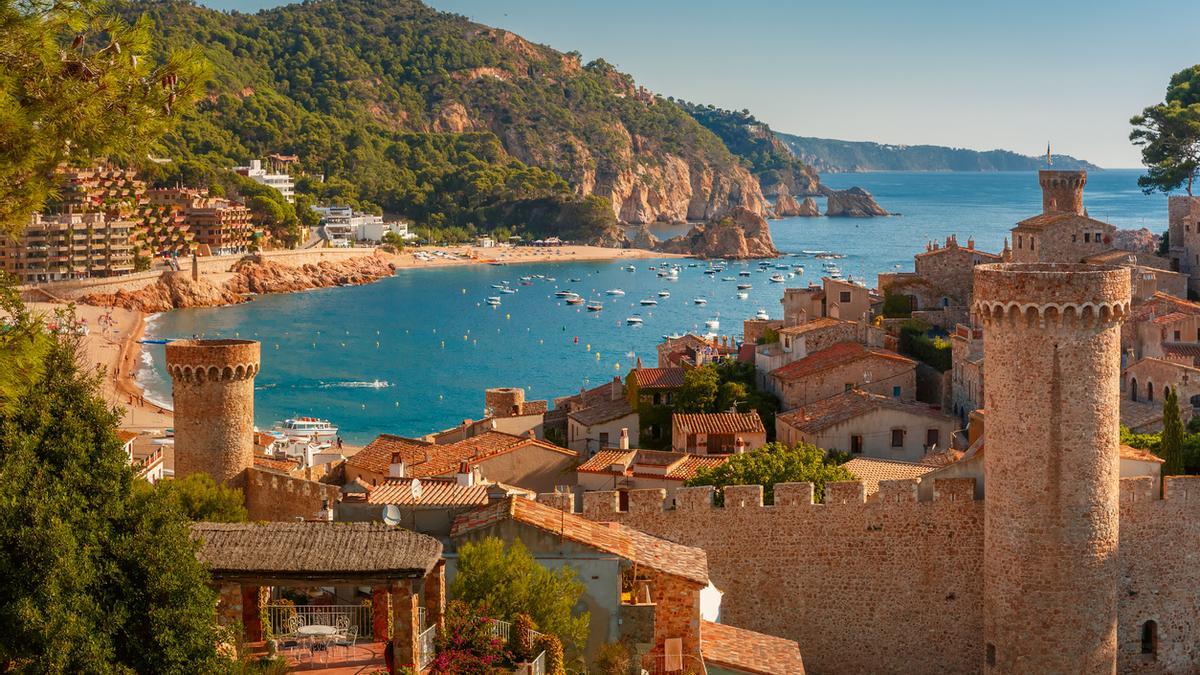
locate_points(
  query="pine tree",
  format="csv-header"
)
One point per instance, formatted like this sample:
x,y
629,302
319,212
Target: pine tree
x,y
1171,448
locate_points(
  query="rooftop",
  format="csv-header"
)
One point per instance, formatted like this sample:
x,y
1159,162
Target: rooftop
x,y
661,464
658,378
1129,452
719,423
810,326
871,470
749,652
602,411
1044,220
433,492
821,415
614,538
425,460
841,354
314,551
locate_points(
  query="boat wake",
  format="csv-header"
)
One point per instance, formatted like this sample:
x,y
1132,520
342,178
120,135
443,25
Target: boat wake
x,y
356,384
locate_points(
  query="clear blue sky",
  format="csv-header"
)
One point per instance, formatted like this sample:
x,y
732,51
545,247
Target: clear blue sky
x,y
977,74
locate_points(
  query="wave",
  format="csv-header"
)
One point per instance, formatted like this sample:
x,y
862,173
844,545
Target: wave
x,y
356,384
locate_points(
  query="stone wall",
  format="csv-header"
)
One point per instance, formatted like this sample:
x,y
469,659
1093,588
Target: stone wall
x,y
896,585
885,375
272,496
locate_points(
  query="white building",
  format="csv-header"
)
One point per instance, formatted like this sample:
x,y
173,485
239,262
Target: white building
x,y
280,181
343,225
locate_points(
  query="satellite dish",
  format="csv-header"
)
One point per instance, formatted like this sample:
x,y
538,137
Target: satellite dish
x,y
391,515
415,487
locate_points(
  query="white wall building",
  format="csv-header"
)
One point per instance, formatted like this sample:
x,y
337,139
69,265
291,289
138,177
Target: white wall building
x,y
280,181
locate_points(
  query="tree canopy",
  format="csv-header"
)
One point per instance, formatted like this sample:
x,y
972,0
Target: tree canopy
x,y
1169,134
775,463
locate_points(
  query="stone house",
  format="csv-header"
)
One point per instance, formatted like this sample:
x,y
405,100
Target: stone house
x,y
1157,321
492,456
644,591
1148,380
652,392
872,470
800,340
1150,274
834,298
966,377
428,505
1183,227
942,276
844,366
601,426
556,422
717,433
512,414
625,470
868,425
1063,232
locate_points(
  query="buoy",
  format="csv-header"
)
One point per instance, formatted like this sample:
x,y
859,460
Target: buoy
x,y
589,347
440,397
464,291
616,366
377,344
443,344
597,356
464,338
277,347
507,317
576,339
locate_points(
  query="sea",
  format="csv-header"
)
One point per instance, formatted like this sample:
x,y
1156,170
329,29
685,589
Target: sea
x,y
413,353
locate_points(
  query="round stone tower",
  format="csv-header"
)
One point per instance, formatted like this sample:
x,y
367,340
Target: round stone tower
x,y
214,406
1052,356
1062,191
504,401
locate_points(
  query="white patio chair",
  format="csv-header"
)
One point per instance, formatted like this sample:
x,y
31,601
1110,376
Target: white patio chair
x,y
347,641
321,646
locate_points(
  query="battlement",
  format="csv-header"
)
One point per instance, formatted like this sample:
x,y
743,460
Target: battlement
x,y
271,496
213,360
1051,294
1062,191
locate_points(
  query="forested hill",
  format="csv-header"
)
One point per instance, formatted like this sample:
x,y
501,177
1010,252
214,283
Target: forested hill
x,y
447,121
837,156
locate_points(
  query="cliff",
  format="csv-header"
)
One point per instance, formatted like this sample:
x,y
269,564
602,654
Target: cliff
x,y
739,234
834,156
853,203
177,290
1137,241
808,208
644,238
786,205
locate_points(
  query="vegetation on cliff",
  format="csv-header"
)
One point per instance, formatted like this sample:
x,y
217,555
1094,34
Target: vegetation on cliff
x,y
834,156
429,115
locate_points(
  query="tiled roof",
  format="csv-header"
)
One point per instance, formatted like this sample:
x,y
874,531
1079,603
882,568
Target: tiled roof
x,y
719,423
1139,414
262,439
603,411
1118,256
749,652
1160,304
821,415
1188,349
433,492
281,465
1044,220
810,326
126,436
1167,319
843,353
944,249
658,378
1129,452
679,466
424,460
871,470
591,396
626,542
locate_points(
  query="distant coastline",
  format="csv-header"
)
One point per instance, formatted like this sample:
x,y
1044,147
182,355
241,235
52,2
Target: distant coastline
x,y
838,156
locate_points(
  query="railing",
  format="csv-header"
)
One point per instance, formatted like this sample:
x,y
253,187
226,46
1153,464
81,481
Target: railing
x,y
538,665
426,649
421,618
500,629
325,615
660,664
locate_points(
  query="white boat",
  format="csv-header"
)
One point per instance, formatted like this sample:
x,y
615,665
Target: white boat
x,y
744,287
502,284
629,268
664,294
563,294
493,300
307,427
634,320
742,295
744,273
594,306
762,314
700,301
614,291
574,300
777,278
526,278
649,302
728,278
508,291
712,324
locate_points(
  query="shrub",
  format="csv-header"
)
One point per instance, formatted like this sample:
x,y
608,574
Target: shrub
x,y
555,664
613,659
520,640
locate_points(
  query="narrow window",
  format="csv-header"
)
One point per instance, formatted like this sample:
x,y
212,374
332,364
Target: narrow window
x,y
622,500
1177,336
604,439
657,398
1150,638
849,386
856,444
1087,237
1032,241
991,654
845,296
897,438
931,438
896,391
1021,239
1150,391
1133,395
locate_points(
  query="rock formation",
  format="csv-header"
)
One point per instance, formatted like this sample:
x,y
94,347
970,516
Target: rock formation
x,y
176,290
1137,241
739,234
643,238
853,203
786,205
808,208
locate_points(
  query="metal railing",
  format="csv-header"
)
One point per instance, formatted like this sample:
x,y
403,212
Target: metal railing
x,y
538,665
660,664
500,629
325,615
425,645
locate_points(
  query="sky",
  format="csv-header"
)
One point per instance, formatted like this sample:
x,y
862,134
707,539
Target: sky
x,y
980,74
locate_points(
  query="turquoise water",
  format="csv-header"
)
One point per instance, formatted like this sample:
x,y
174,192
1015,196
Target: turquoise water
x,y
413,353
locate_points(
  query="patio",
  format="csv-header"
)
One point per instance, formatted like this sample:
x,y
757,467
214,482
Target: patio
x,y
362,659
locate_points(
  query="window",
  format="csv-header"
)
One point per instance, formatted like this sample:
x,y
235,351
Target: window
x,y
991,654
670,398
856,445
623,500
604,439
1133,395
931,438
896,391
657,398
897,438
849,386
1177,336
1099,237
1150,638
1150,391
1087,237
1019,240
845,296
1074,238
1032,241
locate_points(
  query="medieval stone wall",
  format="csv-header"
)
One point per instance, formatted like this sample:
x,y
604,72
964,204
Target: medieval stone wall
x,y
275,497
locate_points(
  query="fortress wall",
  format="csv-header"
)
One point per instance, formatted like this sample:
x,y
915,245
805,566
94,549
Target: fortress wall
x,y
275,497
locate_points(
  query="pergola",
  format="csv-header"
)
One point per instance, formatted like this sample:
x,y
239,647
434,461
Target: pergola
x,y
242,557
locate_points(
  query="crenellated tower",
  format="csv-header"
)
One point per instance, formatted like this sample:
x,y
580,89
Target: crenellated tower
x,y
1051,342
1062,191
213,395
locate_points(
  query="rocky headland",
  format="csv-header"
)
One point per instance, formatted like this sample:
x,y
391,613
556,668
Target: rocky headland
x,y
854,202
786,205
177,290
739,234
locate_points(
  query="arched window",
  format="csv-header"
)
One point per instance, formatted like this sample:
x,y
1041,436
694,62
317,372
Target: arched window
x,y
1149,391
1150,638
1133,389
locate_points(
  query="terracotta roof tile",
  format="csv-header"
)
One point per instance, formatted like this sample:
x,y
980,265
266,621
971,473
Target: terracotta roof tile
x,y
1188,349
432,492
626,542
1129,452
126,436
1139,414
1044,220
749,652
603,411
281,465
871,470
425,460
377,455
658,378
661,464
821,415
843,353
810,326
719,423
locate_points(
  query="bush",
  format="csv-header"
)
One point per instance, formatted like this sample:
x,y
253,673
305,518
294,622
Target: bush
x,y
520,639
613,659
467,645
896,306
915,342
555,664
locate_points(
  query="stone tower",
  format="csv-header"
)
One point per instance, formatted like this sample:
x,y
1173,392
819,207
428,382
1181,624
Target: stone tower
x,y
1051,341
1062,191
504,401
214,406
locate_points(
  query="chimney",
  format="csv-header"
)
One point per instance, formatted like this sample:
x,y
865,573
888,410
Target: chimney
x,y
739,445
465,476
326,512
616,388
971,244
624,443
396,468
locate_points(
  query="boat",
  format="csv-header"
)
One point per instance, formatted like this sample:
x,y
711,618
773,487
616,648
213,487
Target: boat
x,y
649,302
742,295
777,278
526,278
502,284
595,306
551,279
664,294
693,264
744,273
614,291
700,301
798,269
574,300
563,294
574,281
629,268
710,271
634,320
761,314
745,287
728,278
783,267
508,291
307,427
493,300
713,323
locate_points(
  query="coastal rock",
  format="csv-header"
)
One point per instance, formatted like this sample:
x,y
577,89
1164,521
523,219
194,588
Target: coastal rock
x,y
173,290
808,208
739,234
643,238
1136,241
786,205
852,203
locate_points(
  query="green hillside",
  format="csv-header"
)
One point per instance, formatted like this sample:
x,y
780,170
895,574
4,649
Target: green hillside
x,y
830,156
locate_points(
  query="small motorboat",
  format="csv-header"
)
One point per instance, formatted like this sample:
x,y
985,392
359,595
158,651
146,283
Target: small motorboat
x,y
502,284
700,301
574,281
551,279
745,287
614,291
728,278
710,271
508,291
777,278
595,306
527,278
629,268
744,273
574,300
563,294
693,264
649,302
493,300
634,320
712,324
742,295
762,315
664,294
